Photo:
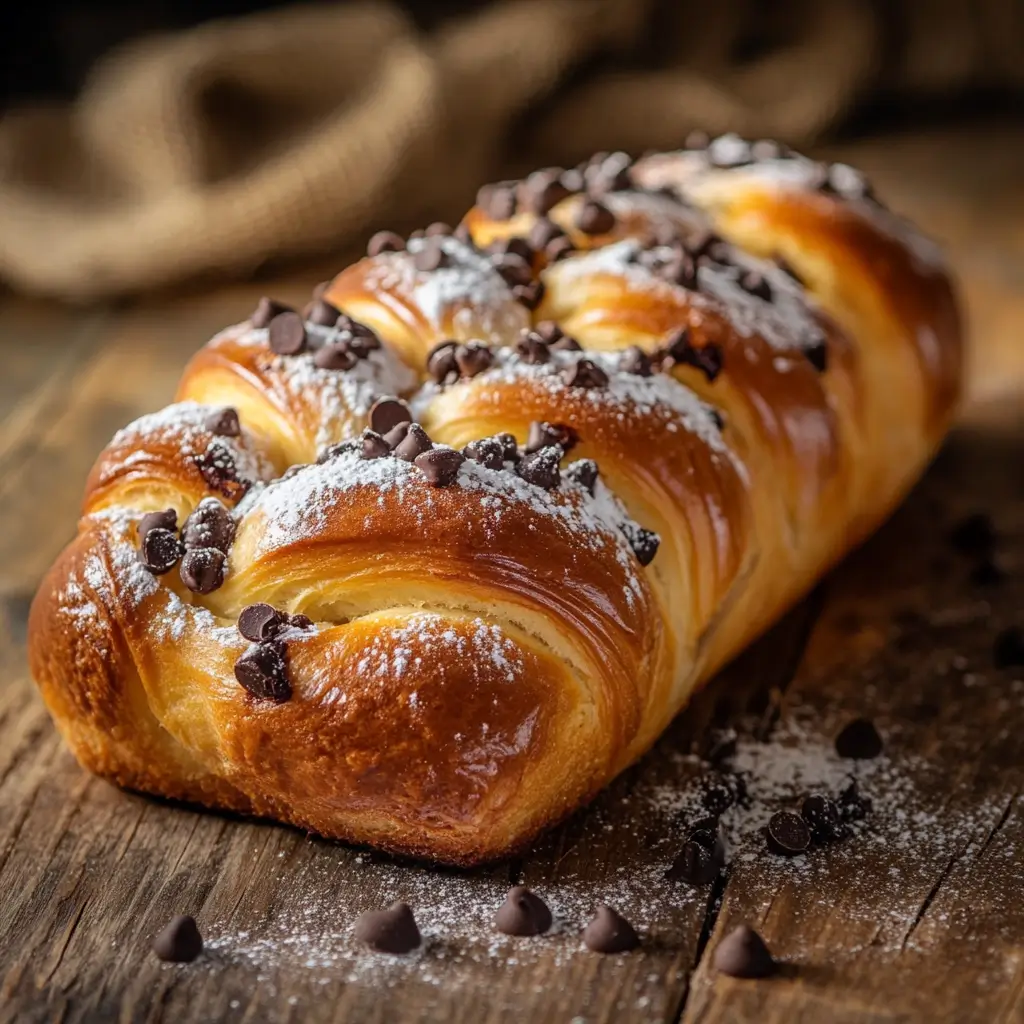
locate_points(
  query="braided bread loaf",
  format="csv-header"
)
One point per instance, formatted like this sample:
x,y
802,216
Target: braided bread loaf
x,y
427,565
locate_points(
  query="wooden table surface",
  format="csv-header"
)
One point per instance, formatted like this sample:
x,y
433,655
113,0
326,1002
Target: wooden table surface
x,y
918,916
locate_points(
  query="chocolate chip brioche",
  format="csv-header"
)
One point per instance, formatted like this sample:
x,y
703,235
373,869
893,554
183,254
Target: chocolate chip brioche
x,y
428,563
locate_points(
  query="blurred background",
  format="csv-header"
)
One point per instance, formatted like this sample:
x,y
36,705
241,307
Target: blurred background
x,y
145,145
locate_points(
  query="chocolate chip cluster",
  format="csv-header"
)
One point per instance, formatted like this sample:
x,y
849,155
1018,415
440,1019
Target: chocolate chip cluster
x,y
263,669
202,547
538,462
730,151
206,535
287,333
676,260
515,259
542,190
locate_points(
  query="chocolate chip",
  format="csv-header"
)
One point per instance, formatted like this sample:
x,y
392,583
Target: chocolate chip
x,y
645,543
202,569
1008,648
822,817
472,358
514,270
513,246
680,268
509,446
488,451
609,174
300,621
160,550
743,954
210,525
695,865
179,942
165,520
788,834
287,334
414,444
565,343
584,374
265,311
530,295
430,257
217,466
259,622
436,228
223,422
397,434
522,913
609,932
498,201
335,355
541,468
341,448
542,434
853,805
373,446
679,350
384,241
729,151
441,364
859,739
542,190
322,313
584,473
974,534
817,356
549,332
388,412
594,218
439,466
364,338
532,350
558,249
543,233
755,283
263,671
389,931
635,360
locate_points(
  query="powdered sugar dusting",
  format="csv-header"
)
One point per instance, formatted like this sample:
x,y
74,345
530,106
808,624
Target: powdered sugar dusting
x,y
293,509
469,285
786,321
696,180
626,394
344,397
435,637
187,420
907,835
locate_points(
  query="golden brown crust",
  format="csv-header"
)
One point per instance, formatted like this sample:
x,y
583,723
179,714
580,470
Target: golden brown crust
x,y
485,656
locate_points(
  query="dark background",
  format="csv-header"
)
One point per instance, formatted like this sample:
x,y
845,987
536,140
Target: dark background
x,y
47,48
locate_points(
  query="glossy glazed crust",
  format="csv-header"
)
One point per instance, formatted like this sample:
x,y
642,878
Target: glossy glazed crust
x,y
487,656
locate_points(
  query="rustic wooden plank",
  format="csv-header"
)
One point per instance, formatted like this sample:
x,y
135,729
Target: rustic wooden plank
x,y
929,924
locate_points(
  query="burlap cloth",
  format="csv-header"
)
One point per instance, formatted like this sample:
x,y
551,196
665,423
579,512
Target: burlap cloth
x,y
304,129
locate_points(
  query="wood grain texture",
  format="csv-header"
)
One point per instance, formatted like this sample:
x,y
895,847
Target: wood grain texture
x,y
925,925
